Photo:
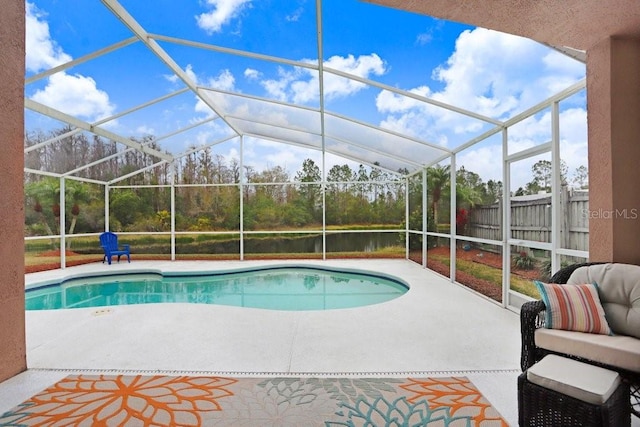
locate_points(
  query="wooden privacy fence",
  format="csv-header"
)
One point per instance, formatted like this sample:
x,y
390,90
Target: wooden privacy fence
x,y
531,219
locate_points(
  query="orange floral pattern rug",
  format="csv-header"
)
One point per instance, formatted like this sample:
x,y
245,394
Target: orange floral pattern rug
x,y
132,400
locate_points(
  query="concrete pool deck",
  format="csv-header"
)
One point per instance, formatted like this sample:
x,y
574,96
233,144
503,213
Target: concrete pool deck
x,y
436,328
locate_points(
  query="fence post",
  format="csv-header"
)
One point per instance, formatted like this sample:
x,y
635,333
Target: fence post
x,y
567,220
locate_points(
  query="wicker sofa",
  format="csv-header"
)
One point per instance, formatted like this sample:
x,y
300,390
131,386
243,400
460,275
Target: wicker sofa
x,y
619,290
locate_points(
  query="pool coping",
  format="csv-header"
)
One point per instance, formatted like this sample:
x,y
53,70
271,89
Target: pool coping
x,y
161,272
91,278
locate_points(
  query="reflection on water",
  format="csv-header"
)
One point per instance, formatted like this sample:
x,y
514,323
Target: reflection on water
x,y
336,242
278,289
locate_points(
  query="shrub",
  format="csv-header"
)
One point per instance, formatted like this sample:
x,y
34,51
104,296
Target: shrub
x,y
524,261
545,269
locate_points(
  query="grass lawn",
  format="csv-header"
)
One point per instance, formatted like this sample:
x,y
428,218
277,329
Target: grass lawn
x,y
491,274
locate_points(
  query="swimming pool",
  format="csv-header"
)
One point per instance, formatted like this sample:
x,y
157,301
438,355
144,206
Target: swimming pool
x,y
285,288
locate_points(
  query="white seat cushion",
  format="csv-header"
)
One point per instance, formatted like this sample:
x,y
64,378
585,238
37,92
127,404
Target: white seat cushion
x,y
618,350
579,380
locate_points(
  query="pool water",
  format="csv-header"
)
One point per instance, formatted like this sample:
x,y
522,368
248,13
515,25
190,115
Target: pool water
x,y
277,289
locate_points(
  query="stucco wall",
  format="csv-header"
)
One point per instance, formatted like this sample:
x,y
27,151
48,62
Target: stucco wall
x,y
613,96
580,24
12,325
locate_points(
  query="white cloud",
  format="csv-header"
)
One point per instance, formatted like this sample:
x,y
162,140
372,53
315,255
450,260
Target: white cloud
x,y
296,84
211,132
279,88
204,137
573,138
363,66
223,81
301,85
171,78
262,154
42,52
484,159
424,38
252,74
75,95
202,108
489,73
295,16
191,74
388,102
205,134
223,12
558,62
145,130
415,124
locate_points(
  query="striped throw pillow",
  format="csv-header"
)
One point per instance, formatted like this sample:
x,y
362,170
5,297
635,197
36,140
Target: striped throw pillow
x,y
573,308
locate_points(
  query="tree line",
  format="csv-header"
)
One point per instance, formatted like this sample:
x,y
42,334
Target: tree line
x,y
272,199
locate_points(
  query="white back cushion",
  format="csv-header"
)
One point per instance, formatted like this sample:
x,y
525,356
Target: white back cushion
x,y
619,289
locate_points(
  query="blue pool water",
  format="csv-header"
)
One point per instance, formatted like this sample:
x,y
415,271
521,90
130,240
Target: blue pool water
x,y
273,288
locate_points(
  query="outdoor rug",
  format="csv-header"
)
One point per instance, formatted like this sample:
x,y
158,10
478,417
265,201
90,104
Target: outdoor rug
x,y
130,400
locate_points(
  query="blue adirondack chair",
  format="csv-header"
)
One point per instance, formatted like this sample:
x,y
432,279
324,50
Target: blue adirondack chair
x,y
109,243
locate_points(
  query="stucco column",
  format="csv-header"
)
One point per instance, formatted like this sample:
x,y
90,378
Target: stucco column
x,y
613,101
12,326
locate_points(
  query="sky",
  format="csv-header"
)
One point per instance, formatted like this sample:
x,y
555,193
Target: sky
x,y
490,73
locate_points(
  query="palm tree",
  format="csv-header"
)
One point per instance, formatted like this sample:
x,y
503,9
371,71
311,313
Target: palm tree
x,y
47,191
78,193
469,189
438,178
